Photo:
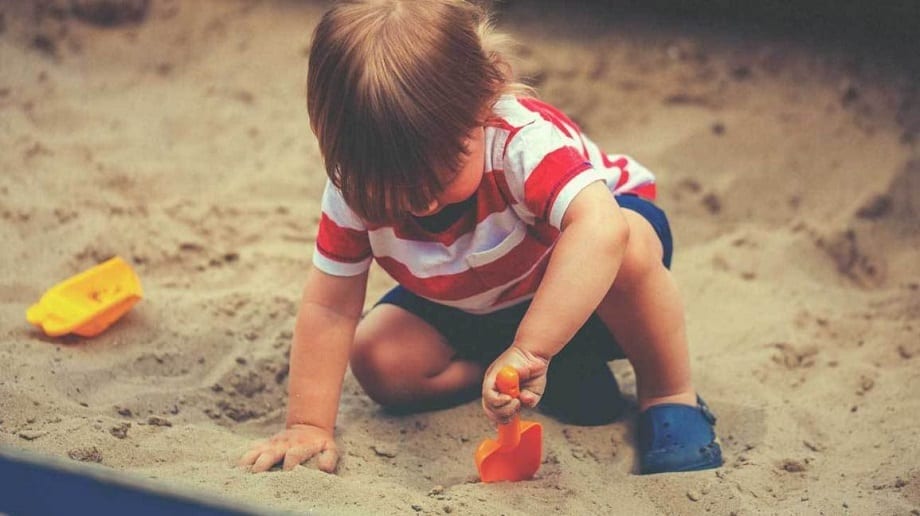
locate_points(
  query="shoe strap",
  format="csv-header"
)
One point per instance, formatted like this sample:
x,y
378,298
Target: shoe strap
x,y
704,408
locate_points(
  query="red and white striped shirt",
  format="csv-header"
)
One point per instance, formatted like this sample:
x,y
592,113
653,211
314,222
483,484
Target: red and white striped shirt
x,y
536,161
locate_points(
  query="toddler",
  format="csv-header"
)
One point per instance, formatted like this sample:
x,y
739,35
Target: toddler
x,y
513,239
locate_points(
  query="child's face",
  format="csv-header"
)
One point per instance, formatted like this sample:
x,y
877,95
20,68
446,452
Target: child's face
x,y
466,181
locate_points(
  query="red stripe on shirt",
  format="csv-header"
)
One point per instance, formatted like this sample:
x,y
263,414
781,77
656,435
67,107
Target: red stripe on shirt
x,y
546,181
447,287
350,245
620,164
527,286
473,281
521,258
648,191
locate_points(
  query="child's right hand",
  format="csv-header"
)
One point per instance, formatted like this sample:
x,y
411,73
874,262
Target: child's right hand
x,y
531,369
293,445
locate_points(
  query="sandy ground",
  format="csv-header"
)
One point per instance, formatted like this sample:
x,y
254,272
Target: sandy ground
x,y
791,172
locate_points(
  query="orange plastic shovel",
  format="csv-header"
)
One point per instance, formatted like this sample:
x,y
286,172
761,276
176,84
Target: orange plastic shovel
x,y
517,453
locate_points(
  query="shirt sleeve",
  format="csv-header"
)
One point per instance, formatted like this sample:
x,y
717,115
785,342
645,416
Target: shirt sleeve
x,y
546,168
342,244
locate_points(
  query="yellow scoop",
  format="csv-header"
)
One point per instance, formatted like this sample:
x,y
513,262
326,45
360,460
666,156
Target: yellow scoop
x,y
88,303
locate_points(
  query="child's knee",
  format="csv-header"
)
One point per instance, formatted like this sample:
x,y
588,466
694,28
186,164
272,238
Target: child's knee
x,y
370,363
368,356
378,368
642,256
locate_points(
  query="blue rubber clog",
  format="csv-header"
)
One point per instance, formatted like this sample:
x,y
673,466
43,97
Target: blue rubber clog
x,y
674,437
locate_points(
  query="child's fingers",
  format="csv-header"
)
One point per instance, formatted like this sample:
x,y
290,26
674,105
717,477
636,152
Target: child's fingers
x,y
327,460
490,412
492,409
495,399
267,459
250,457
298,454
503,414
529,399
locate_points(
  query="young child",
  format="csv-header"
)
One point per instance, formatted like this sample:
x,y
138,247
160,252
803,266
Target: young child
x,y
514,240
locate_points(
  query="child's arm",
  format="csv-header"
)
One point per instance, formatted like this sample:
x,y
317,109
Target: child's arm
x,y
323,334
581,270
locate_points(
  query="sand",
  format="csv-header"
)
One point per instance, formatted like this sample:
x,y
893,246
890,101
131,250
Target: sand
x,y
178,140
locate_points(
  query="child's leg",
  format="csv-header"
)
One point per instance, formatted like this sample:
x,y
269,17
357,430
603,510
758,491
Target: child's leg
x,y
644,312
403,362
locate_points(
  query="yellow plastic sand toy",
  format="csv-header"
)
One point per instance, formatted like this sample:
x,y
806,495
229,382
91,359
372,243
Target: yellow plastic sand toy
x,y
88,303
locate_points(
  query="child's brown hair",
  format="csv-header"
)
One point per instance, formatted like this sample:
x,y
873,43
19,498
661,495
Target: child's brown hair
x,y
394,87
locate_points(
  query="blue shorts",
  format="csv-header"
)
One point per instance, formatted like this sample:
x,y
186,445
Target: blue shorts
x,y
483,337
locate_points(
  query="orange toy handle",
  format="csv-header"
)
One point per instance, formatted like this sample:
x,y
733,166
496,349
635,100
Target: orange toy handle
x,y
508,382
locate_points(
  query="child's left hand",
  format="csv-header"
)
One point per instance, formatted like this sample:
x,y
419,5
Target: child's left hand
x,y
532,372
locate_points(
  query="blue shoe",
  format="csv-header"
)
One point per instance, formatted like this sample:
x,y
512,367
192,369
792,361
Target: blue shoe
x,y
674,437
